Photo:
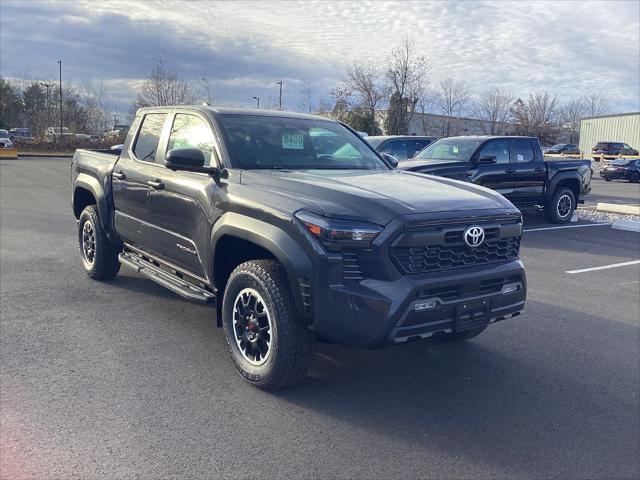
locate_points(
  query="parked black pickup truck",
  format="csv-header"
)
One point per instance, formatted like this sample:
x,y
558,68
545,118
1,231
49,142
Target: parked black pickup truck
x,y
298,230
513,166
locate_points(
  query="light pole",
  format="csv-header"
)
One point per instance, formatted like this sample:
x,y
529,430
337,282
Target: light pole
x,y
280,97
60,133
48,86
257,99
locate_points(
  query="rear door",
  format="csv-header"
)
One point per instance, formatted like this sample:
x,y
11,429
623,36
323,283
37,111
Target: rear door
x,y
186,204
527,171
132,176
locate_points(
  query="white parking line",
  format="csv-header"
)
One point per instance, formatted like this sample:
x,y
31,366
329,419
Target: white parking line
x,y
604,267
565,226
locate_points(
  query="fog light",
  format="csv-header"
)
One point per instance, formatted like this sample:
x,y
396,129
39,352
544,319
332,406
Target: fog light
x,y
510,288
428,305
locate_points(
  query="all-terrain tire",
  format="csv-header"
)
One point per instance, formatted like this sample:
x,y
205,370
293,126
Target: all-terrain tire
x,y
99,255
286,359
459,336
560,208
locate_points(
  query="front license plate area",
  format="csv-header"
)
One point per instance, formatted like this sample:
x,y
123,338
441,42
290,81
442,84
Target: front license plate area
x,y
472,315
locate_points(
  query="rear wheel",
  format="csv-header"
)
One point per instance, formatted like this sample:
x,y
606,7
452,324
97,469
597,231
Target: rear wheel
x,y
459,336
269,345
560,208
99,255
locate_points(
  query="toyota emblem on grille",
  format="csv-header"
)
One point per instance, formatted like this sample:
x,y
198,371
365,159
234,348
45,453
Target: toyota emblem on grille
x,y
473,236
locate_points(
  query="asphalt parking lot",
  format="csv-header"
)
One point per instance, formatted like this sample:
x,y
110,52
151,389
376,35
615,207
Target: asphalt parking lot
x,y
126,379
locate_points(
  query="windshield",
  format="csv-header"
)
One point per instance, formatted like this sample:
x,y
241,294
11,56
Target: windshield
x,y
265,142
450,150
4,134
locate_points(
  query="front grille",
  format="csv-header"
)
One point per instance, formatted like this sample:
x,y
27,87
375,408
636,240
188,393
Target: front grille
x,y
445,248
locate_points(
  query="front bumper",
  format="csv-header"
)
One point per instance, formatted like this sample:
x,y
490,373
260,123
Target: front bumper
x,y
372,313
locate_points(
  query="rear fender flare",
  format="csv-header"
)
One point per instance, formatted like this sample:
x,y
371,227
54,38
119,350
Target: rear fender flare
x,y
559,177
91,184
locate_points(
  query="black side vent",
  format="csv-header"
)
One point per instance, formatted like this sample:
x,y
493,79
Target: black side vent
x,y
351,271
305,290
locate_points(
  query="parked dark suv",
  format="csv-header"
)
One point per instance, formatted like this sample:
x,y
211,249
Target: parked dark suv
x,y
613,148
562,148
400,146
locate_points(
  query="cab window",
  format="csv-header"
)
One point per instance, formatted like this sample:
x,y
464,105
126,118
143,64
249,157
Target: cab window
x,y
496,148
522,150
147,141
397,148
191,131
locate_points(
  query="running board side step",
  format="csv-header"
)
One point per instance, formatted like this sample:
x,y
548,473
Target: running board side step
x,y
166,279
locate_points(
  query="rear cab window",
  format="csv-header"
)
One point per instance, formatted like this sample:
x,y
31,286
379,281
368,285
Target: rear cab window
x,y
522,150
146,145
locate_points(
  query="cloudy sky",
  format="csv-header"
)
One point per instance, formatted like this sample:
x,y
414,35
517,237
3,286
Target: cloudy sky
x,y
568,48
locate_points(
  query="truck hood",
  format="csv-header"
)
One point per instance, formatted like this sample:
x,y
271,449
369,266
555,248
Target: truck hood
x,y
373,195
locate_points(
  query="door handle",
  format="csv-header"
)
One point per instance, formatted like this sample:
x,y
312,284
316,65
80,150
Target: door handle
x,y
119,175
510,170
157,184
540,169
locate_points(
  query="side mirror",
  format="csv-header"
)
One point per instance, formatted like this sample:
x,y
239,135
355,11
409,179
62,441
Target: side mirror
x,y
187,159
391,159
488,159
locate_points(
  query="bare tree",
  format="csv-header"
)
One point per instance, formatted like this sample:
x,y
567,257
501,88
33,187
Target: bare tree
x,y
367,82
595,105
571,114
163,87
492,108
306,100
451,98
205,90
538,116
408,77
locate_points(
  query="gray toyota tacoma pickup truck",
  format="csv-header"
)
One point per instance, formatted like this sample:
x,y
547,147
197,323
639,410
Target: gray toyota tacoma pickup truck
x,y
298,231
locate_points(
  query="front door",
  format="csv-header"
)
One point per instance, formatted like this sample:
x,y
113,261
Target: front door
x,y
185,207
493,175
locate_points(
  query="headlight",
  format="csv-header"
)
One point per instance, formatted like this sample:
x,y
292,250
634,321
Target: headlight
x,y
335,234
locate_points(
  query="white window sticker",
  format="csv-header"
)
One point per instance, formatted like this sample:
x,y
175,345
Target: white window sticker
x,y
520,157
293,141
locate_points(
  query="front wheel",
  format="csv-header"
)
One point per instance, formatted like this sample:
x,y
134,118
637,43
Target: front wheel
x,y
99,255
269,345
560,208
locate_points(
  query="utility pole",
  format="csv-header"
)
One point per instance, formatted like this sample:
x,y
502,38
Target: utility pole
x,y
257,99
280,97
60,133
48,86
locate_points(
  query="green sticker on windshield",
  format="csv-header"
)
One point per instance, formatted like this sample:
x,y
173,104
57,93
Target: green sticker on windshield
x,y
293,141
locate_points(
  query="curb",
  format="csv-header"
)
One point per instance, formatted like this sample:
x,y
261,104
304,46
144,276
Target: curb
x,y
45,155
628,225
615,208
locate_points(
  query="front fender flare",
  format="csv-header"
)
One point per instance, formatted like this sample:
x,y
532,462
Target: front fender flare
x,y
272,238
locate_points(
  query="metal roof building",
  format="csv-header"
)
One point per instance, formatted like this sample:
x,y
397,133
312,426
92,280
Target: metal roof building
x,y
623,127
